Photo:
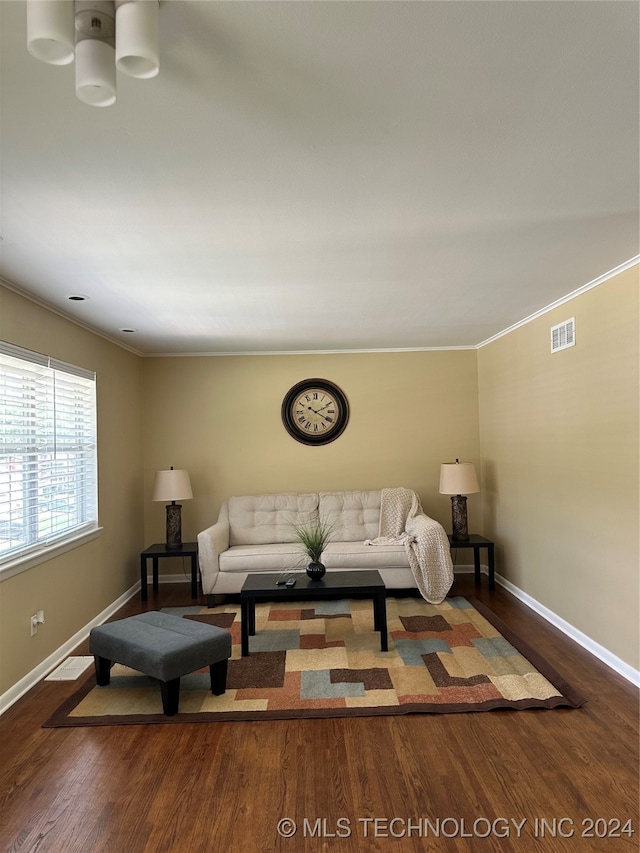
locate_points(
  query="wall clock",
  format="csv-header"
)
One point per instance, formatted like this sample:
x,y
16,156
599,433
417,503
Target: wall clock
x,y
315,411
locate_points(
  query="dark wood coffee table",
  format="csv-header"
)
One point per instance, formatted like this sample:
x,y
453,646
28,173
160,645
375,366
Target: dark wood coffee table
x,y
359,584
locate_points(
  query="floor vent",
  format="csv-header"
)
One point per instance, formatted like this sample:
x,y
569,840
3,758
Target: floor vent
x,y
563,335
71,669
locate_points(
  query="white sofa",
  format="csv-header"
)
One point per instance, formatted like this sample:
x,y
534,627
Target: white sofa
x,y
255,533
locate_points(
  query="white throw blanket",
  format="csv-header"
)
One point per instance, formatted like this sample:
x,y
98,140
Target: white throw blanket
x,y
402,522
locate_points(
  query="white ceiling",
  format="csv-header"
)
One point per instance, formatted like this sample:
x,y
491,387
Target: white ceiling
x,y
327,175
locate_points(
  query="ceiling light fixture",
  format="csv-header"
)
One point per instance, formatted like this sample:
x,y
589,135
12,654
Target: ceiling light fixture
x,y
101,35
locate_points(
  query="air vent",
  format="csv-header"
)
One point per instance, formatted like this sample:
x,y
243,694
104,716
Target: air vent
x,y
71,669
563,335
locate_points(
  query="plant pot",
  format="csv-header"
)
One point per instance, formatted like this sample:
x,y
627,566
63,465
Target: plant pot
x,y
316,571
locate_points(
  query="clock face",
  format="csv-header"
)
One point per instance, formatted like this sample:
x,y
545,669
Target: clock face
x,y
315,411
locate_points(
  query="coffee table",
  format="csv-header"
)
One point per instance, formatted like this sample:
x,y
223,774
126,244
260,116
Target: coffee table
x,y
360,584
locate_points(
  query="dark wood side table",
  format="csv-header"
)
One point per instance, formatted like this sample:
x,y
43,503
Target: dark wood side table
x,y
476,542
156,552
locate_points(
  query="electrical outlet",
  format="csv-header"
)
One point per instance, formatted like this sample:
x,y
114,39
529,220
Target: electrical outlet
x,y
36,619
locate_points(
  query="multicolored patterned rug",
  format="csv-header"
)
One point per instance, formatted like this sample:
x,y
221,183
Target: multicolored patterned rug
x,y
323,659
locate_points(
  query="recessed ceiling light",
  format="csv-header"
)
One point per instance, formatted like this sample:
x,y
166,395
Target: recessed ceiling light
x,y
77,297
129,331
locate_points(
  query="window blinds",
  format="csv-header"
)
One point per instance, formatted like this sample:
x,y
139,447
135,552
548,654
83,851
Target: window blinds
x,y
48,452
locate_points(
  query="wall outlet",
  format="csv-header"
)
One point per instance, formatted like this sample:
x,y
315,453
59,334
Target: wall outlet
x,y
36,619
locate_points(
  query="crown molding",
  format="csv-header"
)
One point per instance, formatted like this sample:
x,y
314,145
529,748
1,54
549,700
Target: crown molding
x,y
87,327
573,295
42,303
302,352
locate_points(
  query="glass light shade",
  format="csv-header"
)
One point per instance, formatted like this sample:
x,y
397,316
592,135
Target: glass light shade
x,y
458,478
95,73
172,486
137,41
50,31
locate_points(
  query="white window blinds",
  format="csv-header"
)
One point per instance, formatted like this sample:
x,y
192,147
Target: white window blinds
x,y
48,453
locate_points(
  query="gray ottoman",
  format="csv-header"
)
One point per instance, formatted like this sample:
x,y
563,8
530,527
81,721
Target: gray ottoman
x,y
163,647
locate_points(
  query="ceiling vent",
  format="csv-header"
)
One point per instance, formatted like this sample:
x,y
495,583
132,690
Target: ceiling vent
x,y
563,335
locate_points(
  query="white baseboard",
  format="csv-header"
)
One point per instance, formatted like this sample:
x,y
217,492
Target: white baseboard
x,y
598,651
607,657
32,678
168,578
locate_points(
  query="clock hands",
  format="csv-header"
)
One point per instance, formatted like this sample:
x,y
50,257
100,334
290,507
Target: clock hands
x,y
318,411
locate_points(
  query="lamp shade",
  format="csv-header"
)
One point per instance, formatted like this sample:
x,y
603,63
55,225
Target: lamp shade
x,y
51,31
137,41
95,73
458,478
172,485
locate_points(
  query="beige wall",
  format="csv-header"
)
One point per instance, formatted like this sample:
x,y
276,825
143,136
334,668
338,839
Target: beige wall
x,y
559,439
74,587
559,468
219,417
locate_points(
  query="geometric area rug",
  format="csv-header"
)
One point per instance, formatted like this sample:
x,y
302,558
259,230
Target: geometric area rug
x,y
323,659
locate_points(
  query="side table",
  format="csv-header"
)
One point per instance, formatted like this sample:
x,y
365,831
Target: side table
x,y
476,542
156,552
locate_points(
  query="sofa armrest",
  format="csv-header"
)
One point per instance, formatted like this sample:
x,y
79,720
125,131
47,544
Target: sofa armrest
x,y
211,543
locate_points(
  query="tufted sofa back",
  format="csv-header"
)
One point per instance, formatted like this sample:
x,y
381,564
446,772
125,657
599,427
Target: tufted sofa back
x,y
269,519
354,516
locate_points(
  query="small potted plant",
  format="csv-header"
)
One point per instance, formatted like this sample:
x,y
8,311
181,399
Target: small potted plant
x,y
314,537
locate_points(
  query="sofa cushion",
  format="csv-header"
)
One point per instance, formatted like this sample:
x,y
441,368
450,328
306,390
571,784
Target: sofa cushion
x,y
268,519
355,555
354,516
282,557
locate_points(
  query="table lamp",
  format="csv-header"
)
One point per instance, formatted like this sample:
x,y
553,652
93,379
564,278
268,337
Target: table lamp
x,y
458,479
173,486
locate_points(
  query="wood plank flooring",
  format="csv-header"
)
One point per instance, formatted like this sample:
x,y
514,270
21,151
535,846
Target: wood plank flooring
x,y
497,781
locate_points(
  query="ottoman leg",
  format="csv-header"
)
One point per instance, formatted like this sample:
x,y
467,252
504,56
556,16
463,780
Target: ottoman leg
x,y
170,696
103,670
218,673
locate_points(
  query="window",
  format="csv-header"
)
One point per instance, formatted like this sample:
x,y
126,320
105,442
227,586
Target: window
x,y
48,453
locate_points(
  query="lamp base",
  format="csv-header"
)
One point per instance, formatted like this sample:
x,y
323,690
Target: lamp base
x,y
459,527
174,525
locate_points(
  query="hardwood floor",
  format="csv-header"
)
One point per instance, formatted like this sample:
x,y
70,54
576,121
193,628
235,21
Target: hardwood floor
x,y
497,781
